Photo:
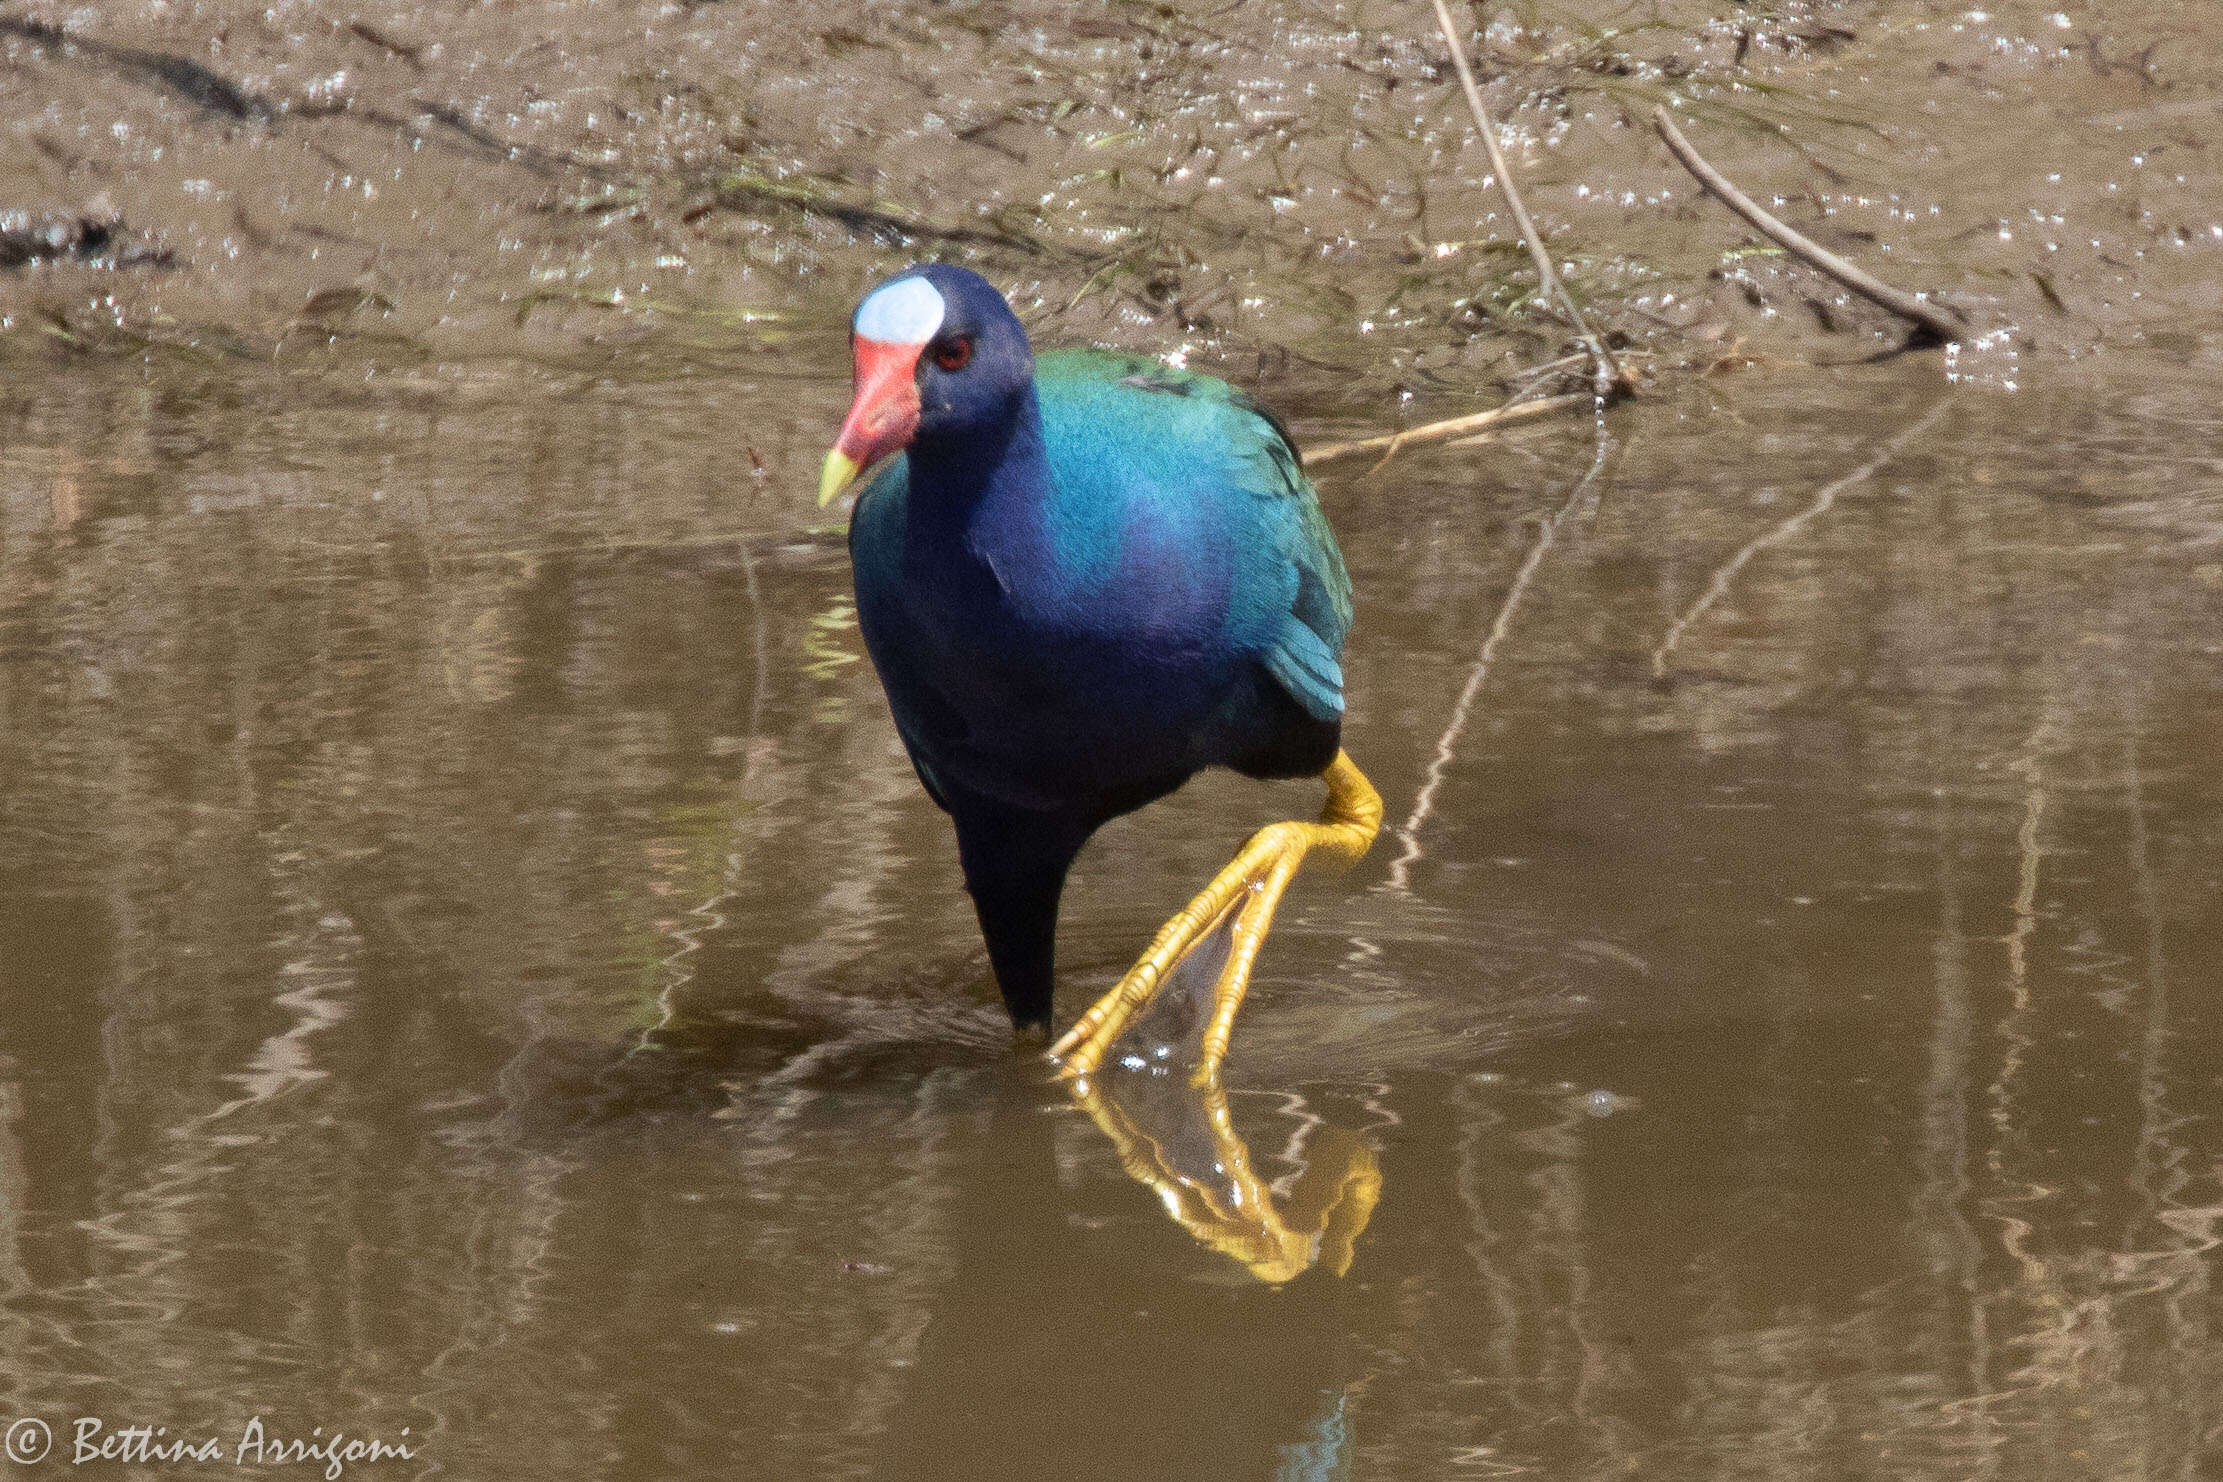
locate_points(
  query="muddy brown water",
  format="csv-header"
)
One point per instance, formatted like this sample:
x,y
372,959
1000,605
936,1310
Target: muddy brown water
x,y
476,971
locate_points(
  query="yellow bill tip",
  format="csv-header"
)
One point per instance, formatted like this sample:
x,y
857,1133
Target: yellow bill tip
x,y
836,476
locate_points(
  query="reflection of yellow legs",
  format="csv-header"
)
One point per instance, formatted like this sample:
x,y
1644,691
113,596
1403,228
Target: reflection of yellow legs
x,y
1326,1211
1249,889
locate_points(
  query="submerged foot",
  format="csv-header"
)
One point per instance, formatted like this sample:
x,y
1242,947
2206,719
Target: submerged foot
x,y
1243,896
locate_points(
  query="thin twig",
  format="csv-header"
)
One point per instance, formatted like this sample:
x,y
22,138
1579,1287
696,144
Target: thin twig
x,y
1943,326
1549,367
1718,588
1436,432
1549,288
1569,362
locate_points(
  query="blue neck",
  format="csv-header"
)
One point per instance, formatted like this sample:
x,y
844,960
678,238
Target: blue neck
x,y
981,470
984,493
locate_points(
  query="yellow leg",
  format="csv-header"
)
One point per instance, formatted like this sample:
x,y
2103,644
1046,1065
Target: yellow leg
x,y
1249,889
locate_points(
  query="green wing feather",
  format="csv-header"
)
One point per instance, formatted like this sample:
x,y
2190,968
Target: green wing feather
x,y
1194,437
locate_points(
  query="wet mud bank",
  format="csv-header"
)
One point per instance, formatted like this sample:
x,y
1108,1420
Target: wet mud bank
x,y
1290,191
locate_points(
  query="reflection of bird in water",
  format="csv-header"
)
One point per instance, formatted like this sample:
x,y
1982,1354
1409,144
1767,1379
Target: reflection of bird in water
x,y
1082,581
1065,1336
1180,1141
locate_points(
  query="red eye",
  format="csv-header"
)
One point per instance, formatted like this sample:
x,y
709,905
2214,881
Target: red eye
x,y
954,355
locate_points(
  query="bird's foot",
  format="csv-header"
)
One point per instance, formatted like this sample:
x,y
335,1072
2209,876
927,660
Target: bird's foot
x,y
1248,890
1225,1204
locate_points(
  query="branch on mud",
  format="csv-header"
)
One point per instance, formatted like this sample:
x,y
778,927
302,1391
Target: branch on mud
x,y
740,189
532,157
217,94
88,238
181,75
1611,378
1935,326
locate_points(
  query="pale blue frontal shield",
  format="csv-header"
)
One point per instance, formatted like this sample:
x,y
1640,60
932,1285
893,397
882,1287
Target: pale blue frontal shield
x,y
905,312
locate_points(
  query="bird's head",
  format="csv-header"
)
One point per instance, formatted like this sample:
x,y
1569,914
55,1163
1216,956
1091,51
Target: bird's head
x,y
938,353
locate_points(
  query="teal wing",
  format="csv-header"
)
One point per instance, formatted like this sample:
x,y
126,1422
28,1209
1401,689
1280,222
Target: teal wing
x,y
1199,440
